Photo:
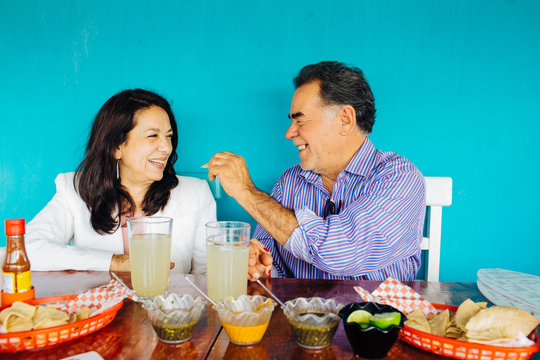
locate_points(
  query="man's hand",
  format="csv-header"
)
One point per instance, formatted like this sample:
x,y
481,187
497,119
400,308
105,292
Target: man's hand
x,y
120,263
233,174
232,171
260,261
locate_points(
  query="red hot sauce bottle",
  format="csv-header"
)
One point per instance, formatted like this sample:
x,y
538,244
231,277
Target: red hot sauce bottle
x,y
16,267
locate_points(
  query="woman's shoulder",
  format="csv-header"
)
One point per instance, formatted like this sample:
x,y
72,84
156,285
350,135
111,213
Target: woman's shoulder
x,y
64,182
190,181
189,195
191,187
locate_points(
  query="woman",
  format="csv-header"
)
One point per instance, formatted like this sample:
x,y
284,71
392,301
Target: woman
x,y
127,171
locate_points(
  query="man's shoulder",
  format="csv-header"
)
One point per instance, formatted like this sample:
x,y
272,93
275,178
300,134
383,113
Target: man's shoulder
x,y
292,172
295,176
390,163
289,182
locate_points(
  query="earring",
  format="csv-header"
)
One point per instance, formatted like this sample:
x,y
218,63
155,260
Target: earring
x,y
117,170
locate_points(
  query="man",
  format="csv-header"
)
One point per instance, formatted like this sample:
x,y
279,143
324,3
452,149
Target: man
x,y
347,211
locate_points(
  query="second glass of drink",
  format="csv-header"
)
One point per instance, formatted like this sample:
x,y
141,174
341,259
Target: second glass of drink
x,y
227,254
150,254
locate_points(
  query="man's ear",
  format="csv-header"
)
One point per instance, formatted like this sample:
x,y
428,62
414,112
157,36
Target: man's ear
x,y
347,120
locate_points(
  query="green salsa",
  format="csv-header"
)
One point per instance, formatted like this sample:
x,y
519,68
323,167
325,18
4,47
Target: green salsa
x,y
313,336
178,333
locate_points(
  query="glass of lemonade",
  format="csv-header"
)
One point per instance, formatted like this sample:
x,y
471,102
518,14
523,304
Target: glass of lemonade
x,y
150,254
227,254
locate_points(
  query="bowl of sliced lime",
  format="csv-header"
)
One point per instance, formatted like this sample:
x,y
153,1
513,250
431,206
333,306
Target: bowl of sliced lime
x,y
372,329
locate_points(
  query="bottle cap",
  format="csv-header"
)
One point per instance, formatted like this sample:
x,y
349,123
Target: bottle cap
x,y
14,227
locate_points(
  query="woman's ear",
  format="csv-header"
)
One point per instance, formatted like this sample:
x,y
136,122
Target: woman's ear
x,y
118,152
347,120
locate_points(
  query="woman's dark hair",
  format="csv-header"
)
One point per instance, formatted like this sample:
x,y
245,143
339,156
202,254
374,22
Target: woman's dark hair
x,y
96,177
342,85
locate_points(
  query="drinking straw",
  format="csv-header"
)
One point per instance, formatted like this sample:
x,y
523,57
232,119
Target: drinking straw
x,y
135,297
271,293
200,291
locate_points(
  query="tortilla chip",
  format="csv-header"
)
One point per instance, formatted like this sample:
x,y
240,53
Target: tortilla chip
x,y
476,323
16,323
454,332
439,323
467,310
500,323
48,317
17,310
416,320
83,313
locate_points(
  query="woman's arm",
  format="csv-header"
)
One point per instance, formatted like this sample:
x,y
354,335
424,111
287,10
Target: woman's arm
x,y
50,232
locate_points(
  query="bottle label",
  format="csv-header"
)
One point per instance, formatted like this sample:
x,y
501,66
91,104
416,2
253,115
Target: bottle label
x,y
24,283
9,283
16,283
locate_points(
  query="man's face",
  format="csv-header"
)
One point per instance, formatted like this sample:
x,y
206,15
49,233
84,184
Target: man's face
x,y
314,129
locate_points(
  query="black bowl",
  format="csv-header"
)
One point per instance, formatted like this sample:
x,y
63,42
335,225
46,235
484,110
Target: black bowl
x,y
370,342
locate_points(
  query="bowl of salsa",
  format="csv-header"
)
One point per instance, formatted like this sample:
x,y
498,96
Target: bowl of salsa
x,y
313,321
245,318
174,317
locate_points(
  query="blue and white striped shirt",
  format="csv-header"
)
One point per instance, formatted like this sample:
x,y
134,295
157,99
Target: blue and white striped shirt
x,y
376,232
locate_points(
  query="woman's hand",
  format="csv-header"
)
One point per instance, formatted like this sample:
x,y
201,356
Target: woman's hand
x,y
120,263
260,261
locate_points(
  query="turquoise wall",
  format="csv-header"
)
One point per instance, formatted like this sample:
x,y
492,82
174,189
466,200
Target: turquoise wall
x,y
456,85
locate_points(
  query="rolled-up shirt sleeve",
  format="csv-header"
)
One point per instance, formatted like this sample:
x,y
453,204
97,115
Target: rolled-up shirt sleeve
x,y
378,229
267,240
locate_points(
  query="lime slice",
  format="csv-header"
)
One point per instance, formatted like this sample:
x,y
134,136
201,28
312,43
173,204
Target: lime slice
x,y
385,320
359,316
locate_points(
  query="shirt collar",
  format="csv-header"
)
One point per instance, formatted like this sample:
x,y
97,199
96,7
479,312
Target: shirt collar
x,y
360,164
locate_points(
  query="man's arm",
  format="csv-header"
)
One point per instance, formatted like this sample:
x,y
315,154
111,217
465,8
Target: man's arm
x,y
276,219
379,228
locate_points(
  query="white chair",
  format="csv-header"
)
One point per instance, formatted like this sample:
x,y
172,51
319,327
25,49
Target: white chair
x,y
438,194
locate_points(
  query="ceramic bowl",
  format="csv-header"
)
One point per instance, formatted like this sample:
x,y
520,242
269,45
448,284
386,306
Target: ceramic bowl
x,y
174,317
370,342
245,318
313,321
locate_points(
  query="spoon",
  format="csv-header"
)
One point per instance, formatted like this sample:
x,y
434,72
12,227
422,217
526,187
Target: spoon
x,y
200,291
272,294
135,296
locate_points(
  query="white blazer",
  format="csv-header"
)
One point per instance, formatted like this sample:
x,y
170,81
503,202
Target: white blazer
x,y
61,237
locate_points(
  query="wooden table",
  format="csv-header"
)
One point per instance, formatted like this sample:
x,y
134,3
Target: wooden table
x,y
130,334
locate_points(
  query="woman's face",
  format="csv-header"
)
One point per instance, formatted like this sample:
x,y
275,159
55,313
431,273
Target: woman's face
x,y
144,154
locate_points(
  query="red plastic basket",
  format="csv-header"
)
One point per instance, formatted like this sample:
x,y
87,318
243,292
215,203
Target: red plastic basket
x,y
461,349
34,339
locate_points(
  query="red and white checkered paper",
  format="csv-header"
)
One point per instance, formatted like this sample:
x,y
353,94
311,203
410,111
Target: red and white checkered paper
x,y
394,293
99,299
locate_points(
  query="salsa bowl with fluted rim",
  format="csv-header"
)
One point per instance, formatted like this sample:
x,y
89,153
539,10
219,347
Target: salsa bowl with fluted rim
x,y
174,317
245,318
313,321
